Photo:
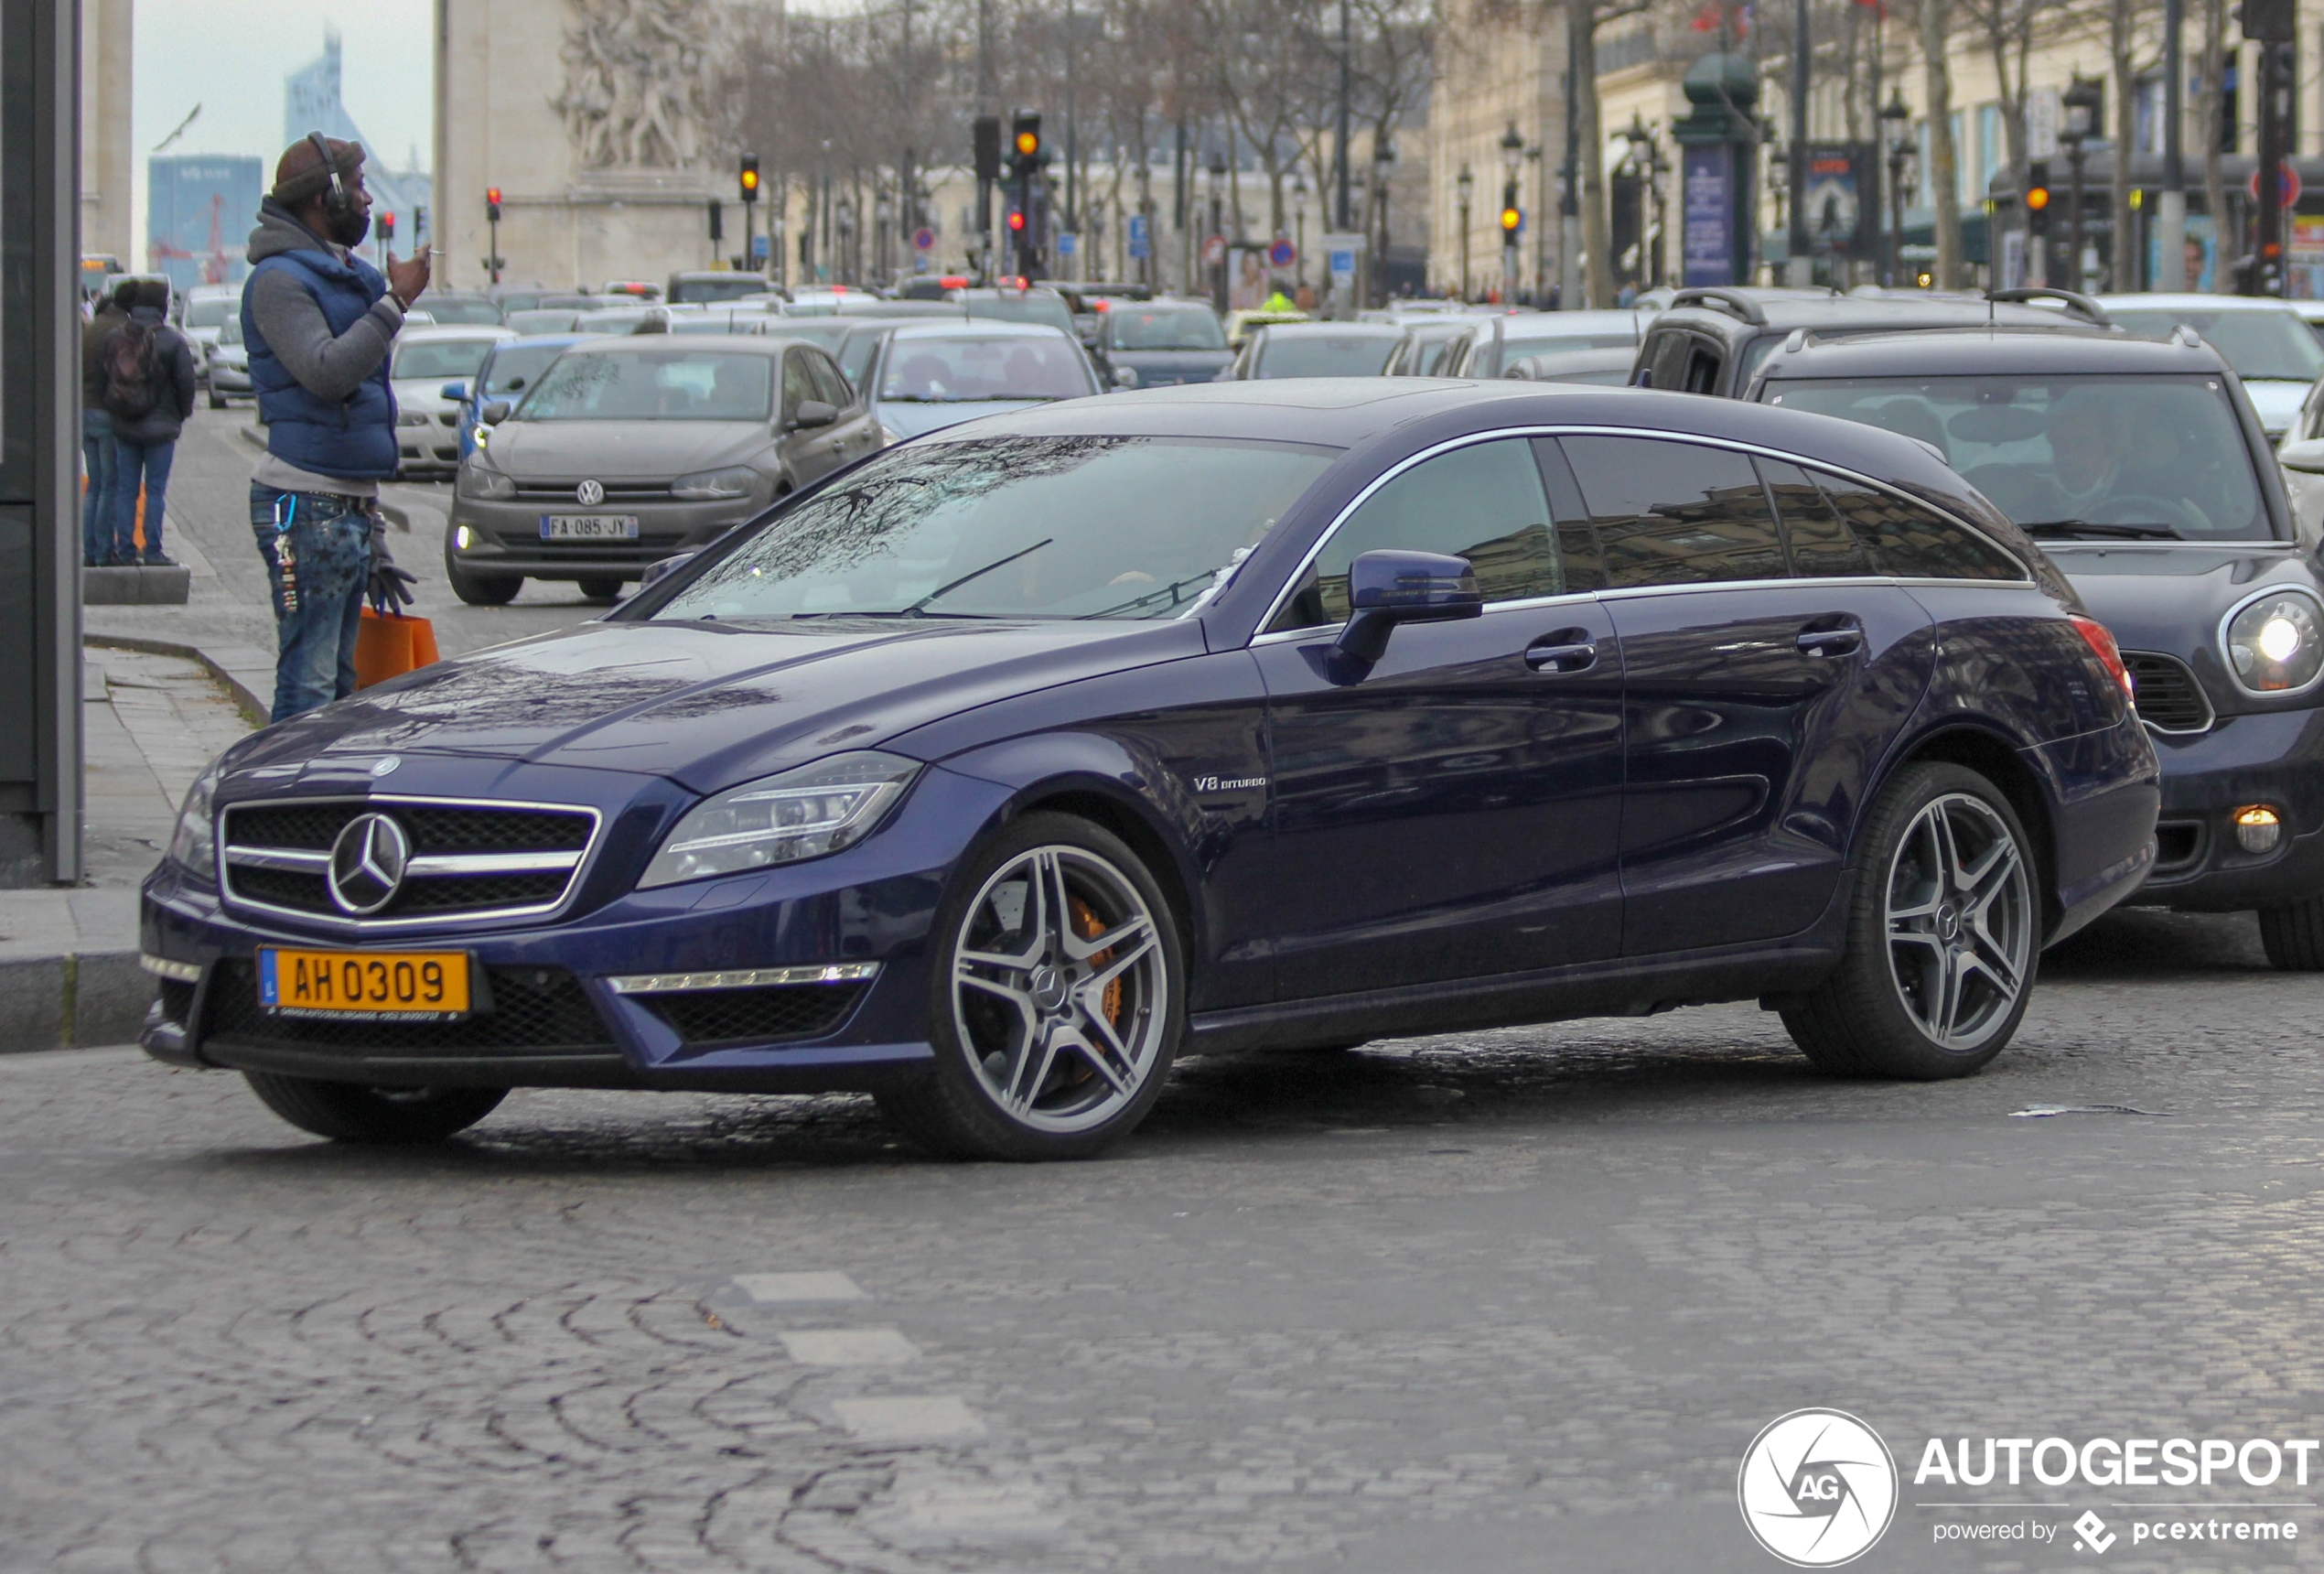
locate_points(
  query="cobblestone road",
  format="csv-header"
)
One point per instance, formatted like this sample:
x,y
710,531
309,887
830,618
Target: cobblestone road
x,y
1515,1302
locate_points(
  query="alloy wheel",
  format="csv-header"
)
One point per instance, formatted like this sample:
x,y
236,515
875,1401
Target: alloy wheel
x,y
1960,921
1060,988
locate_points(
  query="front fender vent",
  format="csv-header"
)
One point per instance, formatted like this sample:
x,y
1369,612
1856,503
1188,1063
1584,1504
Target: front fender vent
x,y
2169,699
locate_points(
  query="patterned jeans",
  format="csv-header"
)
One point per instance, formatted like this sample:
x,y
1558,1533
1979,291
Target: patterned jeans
x,y
318,550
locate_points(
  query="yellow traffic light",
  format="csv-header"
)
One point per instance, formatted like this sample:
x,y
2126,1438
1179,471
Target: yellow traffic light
x,y
2038,198
1029,143
1510,220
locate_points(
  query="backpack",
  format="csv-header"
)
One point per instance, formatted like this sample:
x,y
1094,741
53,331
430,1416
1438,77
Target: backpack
x,y
130,361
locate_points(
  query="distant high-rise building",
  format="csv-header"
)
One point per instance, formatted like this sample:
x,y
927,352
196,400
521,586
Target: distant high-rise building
x,y
199,212
311,102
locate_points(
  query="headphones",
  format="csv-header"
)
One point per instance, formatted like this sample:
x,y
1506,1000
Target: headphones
x,y
338,203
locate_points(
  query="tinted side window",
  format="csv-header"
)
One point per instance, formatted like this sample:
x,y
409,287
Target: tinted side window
x,y
1703,362
797,389
1822,547
1484,503
1576,542
1912,542
1667,360
1673,513
830,386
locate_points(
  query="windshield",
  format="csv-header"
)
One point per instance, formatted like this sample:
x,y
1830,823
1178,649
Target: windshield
x,y
1325,354
2264,344
2155,455
826,331
440,358
932,371
657,384
1518,342
732,288
518,367
1013,527
1178,327
208,313
1029,308
453,312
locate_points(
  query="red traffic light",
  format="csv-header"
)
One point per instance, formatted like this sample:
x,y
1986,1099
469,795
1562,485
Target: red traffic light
x,y
1016,218
492,195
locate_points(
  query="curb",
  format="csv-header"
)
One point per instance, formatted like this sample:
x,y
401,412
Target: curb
x,y
72,1002
255,709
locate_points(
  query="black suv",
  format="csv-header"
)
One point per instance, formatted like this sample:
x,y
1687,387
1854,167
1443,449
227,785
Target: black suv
x,y
2141,469
1712,340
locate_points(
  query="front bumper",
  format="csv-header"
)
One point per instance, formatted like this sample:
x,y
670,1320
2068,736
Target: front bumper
x,y
505,538
432,449
2273,758
551,1015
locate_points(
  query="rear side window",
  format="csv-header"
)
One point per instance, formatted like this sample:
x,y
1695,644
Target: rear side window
x,y
1676,513
1912,542
1823,547
1666,362
1703,364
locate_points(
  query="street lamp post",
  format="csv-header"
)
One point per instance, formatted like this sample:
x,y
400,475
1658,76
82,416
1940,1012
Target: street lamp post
x,y
1464,185
2080,103
1646,157
1540,228
1384,156
1218,229
1779,179
1893,116
1512,156
884,214
1300,229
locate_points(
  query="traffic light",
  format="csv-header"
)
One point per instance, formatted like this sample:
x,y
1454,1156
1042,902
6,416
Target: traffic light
x,y
387,228
2267,21
2038,196
1512,218
1025,145
985,141
1017,220
493,204
750,178
717,221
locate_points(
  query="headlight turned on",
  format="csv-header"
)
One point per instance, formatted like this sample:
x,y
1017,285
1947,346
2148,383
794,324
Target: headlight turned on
x,y
805,812
2276,643
193,845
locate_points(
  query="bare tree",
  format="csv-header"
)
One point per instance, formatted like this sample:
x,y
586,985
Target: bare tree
x,y
1944,158
2209,103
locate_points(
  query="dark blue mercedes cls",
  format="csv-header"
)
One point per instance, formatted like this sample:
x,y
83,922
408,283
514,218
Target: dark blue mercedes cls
x,y
996,772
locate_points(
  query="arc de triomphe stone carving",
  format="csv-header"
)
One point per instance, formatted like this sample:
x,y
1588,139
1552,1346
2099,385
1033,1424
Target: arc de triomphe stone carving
x,y
589,116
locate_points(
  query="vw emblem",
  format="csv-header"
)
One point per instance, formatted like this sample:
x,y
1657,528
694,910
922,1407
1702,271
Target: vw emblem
x,y
368,863
590,493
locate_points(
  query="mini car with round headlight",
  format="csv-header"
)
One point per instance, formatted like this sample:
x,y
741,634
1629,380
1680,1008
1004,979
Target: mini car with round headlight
x,y
2142,466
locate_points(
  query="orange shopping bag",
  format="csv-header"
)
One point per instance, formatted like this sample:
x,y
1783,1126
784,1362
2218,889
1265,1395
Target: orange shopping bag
x,y
389,644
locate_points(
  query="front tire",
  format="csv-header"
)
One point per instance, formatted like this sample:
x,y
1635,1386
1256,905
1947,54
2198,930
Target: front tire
x,y
480,589
1943,936
1057,1001
348,1111
2293,935
601,589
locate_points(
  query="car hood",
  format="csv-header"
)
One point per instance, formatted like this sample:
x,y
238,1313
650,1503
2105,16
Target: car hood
x,y
2277,401
2170,599
643,450
907,419
710,704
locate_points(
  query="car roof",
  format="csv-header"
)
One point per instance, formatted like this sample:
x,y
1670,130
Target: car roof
x,y
1593,322
1588,359
547,340
2191,302
977,328
1329,330
1969,351
436,332
641,342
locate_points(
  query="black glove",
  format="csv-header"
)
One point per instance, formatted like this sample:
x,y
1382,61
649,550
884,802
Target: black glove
x,y
389,589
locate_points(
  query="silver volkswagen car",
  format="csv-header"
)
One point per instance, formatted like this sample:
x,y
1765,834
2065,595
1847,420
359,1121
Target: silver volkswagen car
x,y
629,450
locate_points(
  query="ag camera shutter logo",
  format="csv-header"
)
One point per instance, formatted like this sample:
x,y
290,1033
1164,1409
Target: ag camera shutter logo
x,y
1817,1488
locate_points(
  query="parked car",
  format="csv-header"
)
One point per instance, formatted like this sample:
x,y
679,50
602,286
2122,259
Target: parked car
x,y
628,450
226,365
933,375
1488,343
423,367
997,775
1155,343
1315,350
1712,340
201,312
710,284
2142,468
456,309
509,368
1242,321
543,319
538,298
2266,341
1606,368
1029,304
1428,346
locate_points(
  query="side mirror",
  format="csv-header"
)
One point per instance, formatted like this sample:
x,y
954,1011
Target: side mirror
x,y
812,413
1386,588
1125,377
664,569
457,392
2306,457
495,411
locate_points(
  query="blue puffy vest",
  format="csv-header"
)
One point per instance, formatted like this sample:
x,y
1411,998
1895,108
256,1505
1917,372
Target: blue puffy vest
x,y
354,438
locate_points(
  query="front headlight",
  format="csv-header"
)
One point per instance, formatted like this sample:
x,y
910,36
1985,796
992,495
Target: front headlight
x,y
477,482
2276,643
193,845
803,813
710,486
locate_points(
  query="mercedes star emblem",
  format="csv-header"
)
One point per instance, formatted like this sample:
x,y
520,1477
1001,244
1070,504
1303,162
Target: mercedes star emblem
x,y
590,493
368,863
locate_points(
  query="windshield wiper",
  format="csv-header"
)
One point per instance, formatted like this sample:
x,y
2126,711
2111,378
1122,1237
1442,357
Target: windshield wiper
x,y
916,607
2067,527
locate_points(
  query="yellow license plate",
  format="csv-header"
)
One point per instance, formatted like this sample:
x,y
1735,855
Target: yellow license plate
x,y
376,986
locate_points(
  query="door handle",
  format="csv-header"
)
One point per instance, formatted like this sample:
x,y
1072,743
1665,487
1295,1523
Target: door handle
x,y
1576,657
1844,640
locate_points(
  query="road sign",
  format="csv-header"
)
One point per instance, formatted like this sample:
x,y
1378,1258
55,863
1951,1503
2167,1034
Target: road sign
x,y
1283,253
758,250
923,239
1214,250
1141,240
1068,242
1340,253
2289,183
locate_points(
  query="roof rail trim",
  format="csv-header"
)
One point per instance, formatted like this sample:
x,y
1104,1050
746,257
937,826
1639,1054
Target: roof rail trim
x,y
1733,300
2081,304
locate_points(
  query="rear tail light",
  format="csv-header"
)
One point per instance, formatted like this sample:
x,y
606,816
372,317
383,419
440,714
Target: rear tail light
x,y
2101,640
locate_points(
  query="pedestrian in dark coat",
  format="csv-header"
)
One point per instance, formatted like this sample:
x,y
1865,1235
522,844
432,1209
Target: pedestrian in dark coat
x,y
146,370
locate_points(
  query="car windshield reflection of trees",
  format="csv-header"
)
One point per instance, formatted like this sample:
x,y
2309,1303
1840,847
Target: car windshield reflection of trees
x,y
1013,527
2065,451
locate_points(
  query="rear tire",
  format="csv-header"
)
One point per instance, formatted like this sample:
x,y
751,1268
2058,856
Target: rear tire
x,y
348,1111
601,589
1943,936
1057,1001
481,589
2294,936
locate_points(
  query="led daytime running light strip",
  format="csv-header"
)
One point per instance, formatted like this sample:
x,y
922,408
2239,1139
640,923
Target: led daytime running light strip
x,y
744,978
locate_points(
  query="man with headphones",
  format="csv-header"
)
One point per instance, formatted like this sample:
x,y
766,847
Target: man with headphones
x,y
319,321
